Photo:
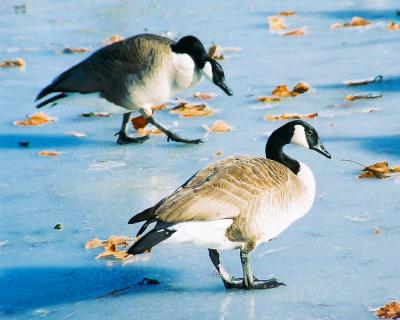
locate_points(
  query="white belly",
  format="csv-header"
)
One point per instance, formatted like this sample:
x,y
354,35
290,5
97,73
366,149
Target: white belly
x,y
276,219
209,234
93,101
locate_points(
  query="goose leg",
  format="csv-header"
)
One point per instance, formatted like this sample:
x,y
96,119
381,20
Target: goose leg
x,y
229,281
170,134
123,138
250,282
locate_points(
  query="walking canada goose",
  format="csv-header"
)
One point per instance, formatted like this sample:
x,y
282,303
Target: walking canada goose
x,y
237,203
136,74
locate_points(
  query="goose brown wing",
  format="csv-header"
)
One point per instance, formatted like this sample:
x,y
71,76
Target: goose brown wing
x,y
106,71
224,189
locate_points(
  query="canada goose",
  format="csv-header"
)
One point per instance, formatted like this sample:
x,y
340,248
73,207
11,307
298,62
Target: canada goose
x,y
237,203
138,73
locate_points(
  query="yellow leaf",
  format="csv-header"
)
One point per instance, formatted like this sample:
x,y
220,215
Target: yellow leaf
x,y
94,243
36,119
355,22
12,63
49,153
268,99
301,88
390,310
297,33
113,39
204,95
276,23
219,126
287,13
187,110
393,26
290,116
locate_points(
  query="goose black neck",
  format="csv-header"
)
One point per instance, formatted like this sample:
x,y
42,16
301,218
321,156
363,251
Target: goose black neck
x,y
274,151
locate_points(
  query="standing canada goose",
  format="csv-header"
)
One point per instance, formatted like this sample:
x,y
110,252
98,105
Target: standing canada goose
x,y
138,73
237,203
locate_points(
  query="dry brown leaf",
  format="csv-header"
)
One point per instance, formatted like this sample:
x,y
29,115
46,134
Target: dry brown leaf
x,y
114,38
187,110
219,153
291,116
69,50
296,33
283,91
393,26
301,88
218,126
276,23
150,132
139,122
204,95
355,22
376,231
359,97
49,153
215,52
287,13
12,63
268,99
390,310
94,243
378,170
36,119
354,83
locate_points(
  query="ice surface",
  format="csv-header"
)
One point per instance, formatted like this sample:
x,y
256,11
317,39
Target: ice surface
x,y
333,264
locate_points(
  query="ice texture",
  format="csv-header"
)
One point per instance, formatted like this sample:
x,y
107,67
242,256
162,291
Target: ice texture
x,y
335,267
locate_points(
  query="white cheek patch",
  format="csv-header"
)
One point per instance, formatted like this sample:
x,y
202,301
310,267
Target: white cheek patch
x,y
299,137
207,71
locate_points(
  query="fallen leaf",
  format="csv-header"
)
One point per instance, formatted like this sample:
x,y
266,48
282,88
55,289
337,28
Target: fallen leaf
x,y
364,96
283,91
290,116
355,22
58,226
287,13
12,63
390,310
114,38
49,153
218,126
150,132
276,23
215,52
204,95
296,32
69,50
96,115
268,99
139,122
36,119
378,170
393,26
301,88
94,243
219,153
77,134
187,110
353,83
111,247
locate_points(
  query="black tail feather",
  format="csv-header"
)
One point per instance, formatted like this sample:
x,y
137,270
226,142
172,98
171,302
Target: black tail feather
x,y
143,216
52,99
149,240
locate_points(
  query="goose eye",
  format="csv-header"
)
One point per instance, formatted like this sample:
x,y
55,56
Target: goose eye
x,y
309,132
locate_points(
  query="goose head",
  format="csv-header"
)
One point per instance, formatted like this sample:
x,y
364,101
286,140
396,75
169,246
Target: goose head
x,y
210,68
297,132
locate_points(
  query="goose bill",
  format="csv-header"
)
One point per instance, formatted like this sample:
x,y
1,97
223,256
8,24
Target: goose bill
x,y
321,149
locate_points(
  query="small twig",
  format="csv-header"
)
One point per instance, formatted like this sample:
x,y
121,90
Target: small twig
x,y
352,161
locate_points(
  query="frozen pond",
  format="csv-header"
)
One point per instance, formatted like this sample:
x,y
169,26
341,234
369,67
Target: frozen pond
x,y
337,262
